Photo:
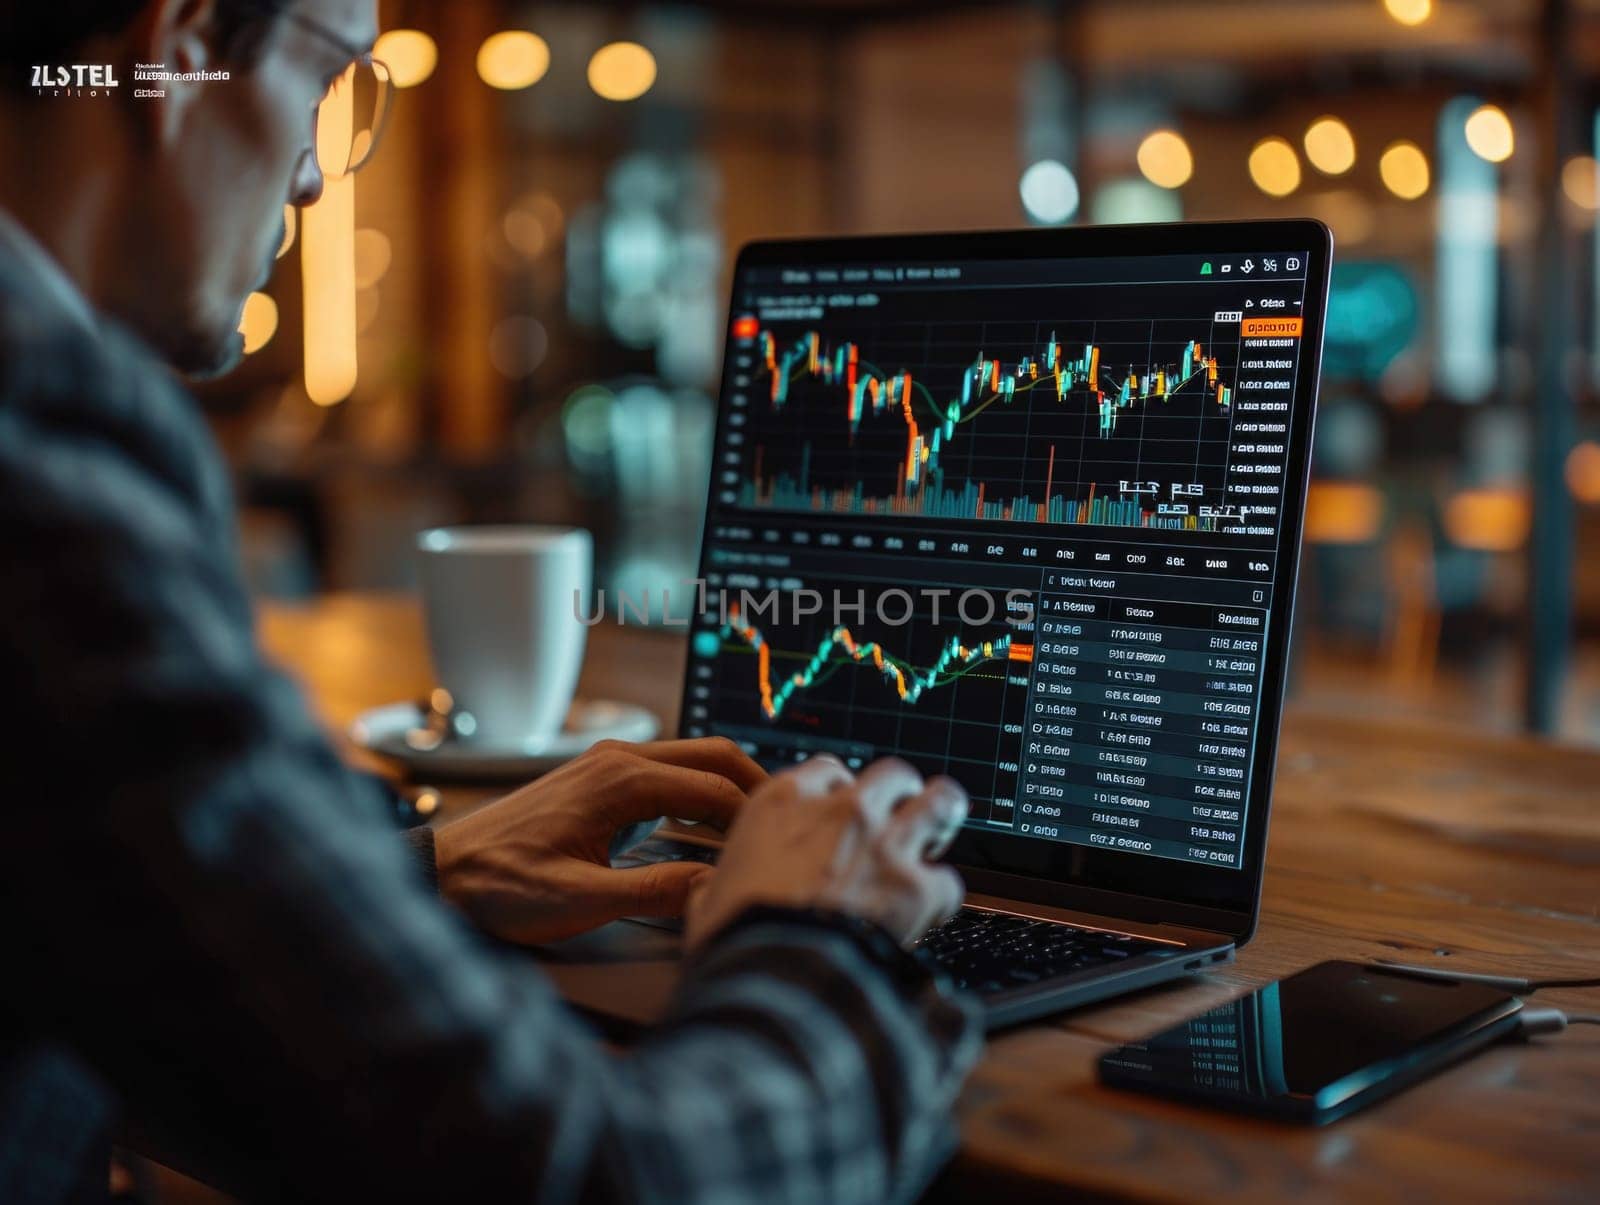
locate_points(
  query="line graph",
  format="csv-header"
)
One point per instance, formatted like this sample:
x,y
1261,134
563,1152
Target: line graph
x,y
931,687
1117,423
955,659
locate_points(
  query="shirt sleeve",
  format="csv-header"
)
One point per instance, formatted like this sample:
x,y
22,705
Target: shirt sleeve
x,y
220,920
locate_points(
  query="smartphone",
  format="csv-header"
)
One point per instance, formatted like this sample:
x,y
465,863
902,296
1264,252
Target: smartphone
x,y
1319,1045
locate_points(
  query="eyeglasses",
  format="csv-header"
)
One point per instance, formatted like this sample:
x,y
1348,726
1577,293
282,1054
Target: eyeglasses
x,y
351,116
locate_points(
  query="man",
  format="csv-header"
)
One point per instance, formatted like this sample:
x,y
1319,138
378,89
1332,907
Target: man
x,y
215,945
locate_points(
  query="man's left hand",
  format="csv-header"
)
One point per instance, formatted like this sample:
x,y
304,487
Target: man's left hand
x,y
534,866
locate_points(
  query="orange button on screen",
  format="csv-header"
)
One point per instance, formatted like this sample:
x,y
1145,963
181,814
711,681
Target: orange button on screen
x,y
1279,328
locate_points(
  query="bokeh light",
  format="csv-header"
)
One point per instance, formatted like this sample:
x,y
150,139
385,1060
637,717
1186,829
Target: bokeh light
x,y
1404,170
1489,134
1134,199
1275,167
291,218
512,59
373,253
327,266
1330,146
1493,519
1583,472
259,322
1349,213
1579,182
1049,192
1343,512
524,232
1409,12
410,55
1165,159
367,306
622,71
518,345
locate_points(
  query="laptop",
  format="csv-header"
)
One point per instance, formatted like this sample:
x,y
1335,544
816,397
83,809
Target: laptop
x,y
1024,508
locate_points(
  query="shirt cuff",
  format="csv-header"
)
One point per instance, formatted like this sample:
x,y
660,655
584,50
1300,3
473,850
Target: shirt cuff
x,y
420,840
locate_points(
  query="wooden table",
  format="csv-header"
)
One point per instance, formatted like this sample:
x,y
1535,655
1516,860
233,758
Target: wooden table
x,y
1425,844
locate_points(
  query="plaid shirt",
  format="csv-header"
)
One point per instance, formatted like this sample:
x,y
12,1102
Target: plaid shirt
x,y
220,945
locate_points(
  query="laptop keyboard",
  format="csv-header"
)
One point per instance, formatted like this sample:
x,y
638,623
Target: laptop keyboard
x,y
985,951
996,951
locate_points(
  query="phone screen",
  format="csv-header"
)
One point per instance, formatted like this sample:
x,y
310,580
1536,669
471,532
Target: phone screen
x,y
1312,1042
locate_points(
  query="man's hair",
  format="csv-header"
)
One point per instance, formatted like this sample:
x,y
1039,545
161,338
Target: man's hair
x,y
51,32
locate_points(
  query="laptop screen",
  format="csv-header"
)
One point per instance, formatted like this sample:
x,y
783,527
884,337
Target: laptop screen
x,y
1023,521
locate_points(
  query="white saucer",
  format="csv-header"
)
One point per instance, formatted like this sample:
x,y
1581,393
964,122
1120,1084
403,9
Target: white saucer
x,y
383,731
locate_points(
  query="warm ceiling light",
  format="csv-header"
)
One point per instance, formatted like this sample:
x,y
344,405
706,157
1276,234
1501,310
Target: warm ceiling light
x,y
259,322
1579,181
1404,169
622,71
290,220
1330,146
1165,159
409,54
513,59
1275,167
327,268
1489,134
1409,12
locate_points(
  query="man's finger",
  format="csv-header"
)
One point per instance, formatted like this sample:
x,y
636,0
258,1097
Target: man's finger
x,y
714,753
884,784
660,889
817,775
943,892
644,789
924,825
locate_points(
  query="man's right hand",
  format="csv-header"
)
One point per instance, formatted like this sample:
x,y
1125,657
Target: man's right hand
x,y
817,837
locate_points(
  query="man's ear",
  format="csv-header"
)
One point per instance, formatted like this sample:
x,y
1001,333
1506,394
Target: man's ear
x,y
180,36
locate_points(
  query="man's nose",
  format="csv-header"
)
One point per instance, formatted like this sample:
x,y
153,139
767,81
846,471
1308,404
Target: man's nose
x,y
306,186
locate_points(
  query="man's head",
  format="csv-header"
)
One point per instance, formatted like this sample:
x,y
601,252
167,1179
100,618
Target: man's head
x,y
171,207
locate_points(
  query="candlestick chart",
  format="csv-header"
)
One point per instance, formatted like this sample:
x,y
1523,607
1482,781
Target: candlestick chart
x,y
1120,423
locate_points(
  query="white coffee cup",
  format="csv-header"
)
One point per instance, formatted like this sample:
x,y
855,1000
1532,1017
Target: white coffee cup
x,y
502,606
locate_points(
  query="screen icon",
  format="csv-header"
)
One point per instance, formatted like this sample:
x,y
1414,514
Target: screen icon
x,y
1226,268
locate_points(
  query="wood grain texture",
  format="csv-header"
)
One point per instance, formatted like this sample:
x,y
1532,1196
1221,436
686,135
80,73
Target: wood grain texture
x,y
1388,841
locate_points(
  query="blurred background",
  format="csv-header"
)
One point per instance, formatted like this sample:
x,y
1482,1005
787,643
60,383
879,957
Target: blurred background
x,y
515,312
